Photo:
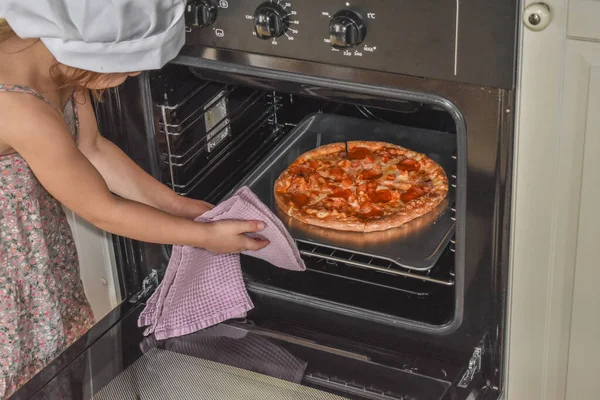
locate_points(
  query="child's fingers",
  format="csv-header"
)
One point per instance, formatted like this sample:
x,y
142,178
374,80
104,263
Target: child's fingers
x,y
251,226
255,244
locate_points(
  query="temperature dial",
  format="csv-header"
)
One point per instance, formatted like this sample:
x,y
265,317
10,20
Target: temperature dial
x,y
346,29
270,21
200,13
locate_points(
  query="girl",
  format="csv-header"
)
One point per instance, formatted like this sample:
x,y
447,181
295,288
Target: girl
x,y
51,153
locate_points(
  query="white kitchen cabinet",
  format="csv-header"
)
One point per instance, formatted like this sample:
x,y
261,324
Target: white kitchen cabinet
x,y
584,19
554,322
582,119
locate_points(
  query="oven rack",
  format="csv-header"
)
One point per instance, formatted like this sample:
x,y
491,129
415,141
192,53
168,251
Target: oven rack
x,y
439,276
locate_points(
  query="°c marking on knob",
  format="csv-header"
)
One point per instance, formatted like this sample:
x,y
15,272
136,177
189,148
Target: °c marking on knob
x,y
346,29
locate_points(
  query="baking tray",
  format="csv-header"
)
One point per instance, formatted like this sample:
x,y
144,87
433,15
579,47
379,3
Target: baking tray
x,y
416,245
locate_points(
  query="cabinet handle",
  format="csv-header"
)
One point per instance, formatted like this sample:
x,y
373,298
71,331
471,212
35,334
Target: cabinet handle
x,y
537,16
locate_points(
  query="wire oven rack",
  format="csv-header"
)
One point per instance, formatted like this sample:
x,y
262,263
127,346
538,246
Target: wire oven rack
x,y
438,276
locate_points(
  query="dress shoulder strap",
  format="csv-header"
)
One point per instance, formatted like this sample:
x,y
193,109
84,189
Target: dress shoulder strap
x,y
26,90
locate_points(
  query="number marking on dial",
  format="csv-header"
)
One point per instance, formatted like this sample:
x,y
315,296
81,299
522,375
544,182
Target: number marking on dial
x,y
273,19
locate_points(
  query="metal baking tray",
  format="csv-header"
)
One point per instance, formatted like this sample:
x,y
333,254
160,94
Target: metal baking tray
x,y
416,245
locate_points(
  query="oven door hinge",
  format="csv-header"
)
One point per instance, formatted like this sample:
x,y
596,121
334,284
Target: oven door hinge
x,y
149,284
474,366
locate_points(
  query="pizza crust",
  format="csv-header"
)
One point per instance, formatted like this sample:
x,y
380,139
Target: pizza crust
x,y
374,146
321,151
414,209
353,225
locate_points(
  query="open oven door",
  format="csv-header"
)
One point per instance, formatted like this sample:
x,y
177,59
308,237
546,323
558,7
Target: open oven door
x,y
239,360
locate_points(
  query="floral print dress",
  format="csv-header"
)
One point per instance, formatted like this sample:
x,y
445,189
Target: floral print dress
x,y
43,308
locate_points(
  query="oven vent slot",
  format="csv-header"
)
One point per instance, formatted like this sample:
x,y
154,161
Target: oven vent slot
x,y
452,180
439,275
353,388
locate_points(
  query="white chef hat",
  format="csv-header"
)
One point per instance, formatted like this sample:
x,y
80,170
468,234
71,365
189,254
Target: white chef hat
x,y
102,35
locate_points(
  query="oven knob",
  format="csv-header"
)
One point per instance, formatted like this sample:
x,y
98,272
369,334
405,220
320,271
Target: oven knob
x,y
200,13
270,21
346,29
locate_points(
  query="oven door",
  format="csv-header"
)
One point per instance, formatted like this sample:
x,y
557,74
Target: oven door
x,y
238,360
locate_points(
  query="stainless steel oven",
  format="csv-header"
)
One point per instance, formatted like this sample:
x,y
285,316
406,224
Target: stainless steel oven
x,y
418,317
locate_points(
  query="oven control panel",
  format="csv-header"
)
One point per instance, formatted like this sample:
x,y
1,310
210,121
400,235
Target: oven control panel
x,y
422,38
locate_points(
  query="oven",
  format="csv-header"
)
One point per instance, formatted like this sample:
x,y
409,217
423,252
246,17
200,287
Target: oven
x,y
419,314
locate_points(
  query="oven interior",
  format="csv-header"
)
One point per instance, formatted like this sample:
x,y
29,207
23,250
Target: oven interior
x,y
210,136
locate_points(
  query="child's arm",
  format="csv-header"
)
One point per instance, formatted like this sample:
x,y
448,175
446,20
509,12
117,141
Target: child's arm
x,y
122,175
41,137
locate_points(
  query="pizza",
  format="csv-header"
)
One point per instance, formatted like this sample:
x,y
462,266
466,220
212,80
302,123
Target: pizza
x,y
360,186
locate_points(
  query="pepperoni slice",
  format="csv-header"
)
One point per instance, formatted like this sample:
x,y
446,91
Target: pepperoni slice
x,y
411,194
300,199
314,164
342,193
358,153
380,196
370,174
336,173
408,165
372,186
346,182
295,169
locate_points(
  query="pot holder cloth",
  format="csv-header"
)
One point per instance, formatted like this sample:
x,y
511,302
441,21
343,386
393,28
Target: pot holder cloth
x,y
200,288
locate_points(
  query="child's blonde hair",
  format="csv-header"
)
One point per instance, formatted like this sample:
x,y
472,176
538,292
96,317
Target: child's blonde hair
x,y
65,76
5,30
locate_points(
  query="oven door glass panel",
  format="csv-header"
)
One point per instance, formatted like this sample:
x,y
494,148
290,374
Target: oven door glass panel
x,y
235,361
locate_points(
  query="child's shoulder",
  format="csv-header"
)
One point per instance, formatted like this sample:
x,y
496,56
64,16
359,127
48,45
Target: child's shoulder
x,y
22,113
18,103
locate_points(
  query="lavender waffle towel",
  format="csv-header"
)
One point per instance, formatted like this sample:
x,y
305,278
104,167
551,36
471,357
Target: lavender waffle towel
x,y
201,289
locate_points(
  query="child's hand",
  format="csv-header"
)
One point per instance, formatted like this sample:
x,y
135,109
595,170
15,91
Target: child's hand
x,y
228,236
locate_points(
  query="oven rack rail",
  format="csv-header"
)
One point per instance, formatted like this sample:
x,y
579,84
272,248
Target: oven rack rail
x,y
188,97
179,128
268,117
200,146
439,276
189,186
275,132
